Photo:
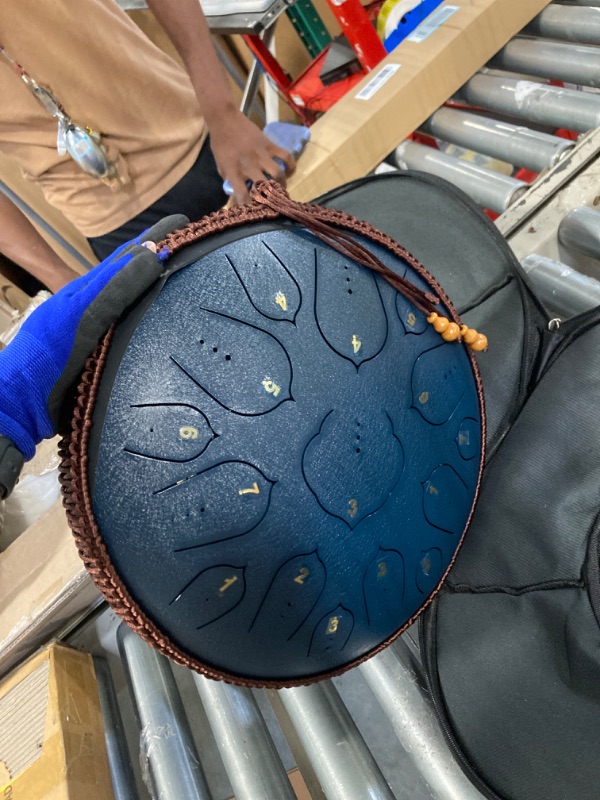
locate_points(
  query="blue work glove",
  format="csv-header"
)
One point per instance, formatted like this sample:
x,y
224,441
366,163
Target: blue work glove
x,y
41,364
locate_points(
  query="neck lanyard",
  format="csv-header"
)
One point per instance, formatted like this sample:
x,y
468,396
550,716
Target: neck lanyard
x,y
83,144
44,96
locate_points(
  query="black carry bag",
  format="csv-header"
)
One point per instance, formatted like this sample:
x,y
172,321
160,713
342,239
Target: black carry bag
x,y
445,229
511,645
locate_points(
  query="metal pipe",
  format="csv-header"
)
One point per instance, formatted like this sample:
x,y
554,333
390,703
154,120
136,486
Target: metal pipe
x,y
271,95
593,3
255,74
121,769
561,288
251,760
490,189
227,62
515,144
170,764
537,102
569,23
573,63
579,230
339,755
305,767
395,678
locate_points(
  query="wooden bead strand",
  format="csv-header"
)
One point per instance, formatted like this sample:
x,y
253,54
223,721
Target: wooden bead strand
x,y
452,332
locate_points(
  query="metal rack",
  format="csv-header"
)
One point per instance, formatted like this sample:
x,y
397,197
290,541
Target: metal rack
x,y
527,108
255,21
337,752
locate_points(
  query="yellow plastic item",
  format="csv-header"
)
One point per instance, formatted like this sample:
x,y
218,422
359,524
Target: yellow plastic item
x,y
390,15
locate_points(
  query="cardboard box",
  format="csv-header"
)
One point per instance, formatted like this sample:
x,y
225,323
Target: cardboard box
x,y
52,736
12,302
43,586
413,81
298,785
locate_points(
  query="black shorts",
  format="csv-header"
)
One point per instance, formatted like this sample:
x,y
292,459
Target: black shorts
x,y
198,193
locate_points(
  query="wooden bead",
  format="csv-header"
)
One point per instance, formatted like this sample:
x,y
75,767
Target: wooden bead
x,y
480,343
451,333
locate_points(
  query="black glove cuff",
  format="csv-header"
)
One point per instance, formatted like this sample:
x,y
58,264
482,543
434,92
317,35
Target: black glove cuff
x,y
11,464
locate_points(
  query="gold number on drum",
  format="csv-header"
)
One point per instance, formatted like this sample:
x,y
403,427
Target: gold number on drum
x,y
228,582
281,300
253,489
356,343
382,571
333,625
188,432
302,576
353,510
271,387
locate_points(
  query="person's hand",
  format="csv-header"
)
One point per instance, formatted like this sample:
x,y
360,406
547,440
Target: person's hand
x,y
243,153
40,365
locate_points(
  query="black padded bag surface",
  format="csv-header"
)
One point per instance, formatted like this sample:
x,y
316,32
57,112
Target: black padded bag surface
x,y
464,251
512,645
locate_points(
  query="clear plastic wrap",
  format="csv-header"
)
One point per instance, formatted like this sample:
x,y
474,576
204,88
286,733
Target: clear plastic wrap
x,y
35,493
9,334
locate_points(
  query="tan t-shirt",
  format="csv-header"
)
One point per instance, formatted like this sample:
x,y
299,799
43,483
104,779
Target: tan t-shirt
x,y
110,77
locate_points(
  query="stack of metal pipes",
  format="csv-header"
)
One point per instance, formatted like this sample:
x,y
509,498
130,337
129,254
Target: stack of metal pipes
x,y
511,109
335,761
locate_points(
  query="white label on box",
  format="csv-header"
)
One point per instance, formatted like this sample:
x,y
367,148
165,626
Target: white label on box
x,y
375,84
432,23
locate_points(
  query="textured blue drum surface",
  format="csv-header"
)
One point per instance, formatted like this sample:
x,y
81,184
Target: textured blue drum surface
x,y
287,459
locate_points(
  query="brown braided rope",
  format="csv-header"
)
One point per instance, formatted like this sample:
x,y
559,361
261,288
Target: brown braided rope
x,y
74,448
271,202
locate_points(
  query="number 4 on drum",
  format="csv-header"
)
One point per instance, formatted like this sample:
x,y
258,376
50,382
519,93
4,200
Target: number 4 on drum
x,y
254,489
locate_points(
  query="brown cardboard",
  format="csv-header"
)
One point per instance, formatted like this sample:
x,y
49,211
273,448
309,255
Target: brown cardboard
x,y
353,137
12,302
52,737
43,586
297,783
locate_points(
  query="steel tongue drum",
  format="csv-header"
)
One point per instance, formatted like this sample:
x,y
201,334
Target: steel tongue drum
x,y
276,453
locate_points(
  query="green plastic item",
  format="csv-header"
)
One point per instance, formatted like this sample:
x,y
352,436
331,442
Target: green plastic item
x,y
309,26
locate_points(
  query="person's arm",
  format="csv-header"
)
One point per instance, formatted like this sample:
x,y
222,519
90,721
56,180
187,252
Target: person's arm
x,y
21,242
39,367
241,150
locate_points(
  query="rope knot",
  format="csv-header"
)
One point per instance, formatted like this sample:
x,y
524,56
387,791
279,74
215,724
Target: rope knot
x,y
270,200
269,193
